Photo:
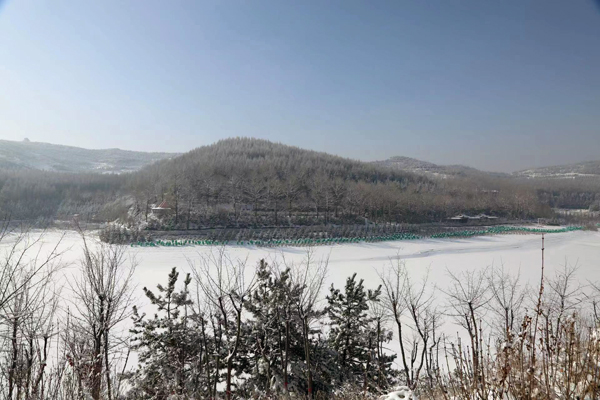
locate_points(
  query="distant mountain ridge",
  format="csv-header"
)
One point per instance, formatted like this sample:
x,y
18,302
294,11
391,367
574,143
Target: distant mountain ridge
x,y
424,167
60,158
582,169
588,168
53,157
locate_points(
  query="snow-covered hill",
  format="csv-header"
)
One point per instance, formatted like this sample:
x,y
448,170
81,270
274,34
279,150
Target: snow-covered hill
x,y
590,168
52,157
427,168
583,169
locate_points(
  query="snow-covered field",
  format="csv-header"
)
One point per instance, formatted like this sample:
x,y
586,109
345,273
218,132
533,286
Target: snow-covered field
x,y
517,253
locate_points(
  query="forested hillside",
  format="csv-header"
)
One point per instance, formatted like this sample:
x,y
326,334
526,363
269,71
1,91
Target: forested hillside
x,y
241,182
39,195
244,182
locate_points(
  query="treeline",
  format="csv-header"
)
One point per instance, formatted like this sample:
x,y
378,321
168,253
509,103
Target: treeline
x,y
229,330
34,194
571,193
245,183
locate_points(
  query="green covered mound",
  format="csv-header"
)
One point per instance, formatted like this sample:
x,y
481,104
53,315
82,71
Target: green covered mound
x,y
496,230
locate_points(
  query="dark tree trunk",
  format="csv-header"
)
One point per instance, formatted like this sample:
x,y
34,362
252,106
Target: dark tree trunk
x,y
256,212
287,351
307,357
176,208
106,368
14,355
189,214
206,358
98,356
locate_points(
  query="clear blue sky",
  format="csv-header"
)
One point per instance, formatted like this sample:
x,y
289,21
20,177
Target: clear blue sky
x,y
499,85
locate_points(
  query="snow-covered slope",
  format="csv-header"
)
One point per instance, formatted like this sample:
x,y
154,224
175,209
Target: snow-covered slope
x,y
52,157
590,168
426,168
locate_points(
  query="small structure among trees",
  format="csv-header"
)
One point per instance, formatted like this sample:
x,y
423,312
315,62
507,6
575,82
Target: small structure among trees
x,y
460,218
464,218
162,210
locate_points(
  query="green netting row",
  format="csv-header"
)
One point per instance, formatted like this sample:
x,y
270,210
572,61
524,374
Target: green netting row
x,y
367,239
180,243
326,241
502,229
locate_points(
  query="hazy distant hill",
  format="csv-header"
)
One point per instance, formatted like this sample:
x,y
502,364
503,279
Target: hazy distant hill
x,y
424,167
52,157
590,168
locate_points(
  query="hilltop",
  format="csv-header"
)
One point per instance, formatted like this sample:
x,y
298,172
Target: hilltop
x,y
243,156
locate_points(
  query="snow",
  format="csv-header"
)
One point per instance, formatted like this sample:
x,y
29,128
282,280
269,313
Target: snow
x,y
401,393
517,253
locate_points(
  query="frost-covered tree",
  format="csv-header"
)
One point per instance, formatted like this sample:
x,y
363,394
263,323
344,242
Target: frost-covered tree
x,y
275,343
225,287
102,299
169,345
354,335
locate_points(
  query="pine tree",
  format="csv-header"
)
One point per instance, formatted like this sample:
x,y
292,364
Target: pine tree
x,y
170,345
356,336
275,342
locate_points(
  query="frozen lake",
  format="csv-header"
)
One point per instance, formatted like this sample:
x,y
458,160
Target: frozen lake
x,y
517,253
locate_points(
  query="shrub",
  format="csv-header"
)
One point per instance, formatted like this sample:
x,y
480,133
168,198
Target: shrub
x,y
119,234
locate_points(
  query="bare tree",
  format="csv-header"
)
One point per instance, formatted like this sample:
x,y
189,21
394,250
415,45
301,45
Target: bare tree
x,y
416,318
292,188
319,194
225,287
507,299
564,295
27,311
207,188
188,193
255,192
274,194
468,297
381,319
310,276
177,188
235,191
24,263
338,189
102,298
